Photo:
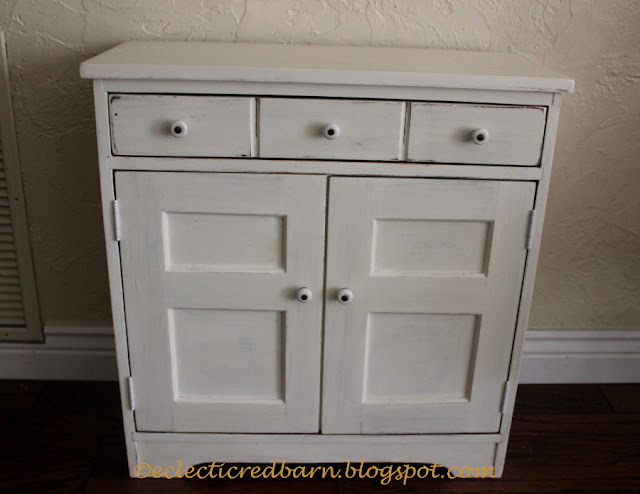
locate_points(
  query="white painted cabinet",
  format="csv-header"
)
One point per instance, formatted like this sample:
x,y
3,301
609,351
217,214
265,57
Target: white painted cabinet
x,y
319,263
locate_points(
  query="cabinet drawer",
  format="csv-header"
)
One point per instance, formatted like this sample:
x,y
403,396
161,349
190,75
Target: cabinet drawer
x,y
444,133
166,125
330,129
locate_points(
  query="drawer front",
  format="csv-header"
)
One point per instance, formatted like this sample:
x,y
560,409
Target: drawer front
x,y
330,129
165,125
444,133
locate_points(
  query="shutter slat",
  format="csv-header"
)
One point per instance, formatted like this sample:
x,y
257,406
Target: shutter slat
x,y
7,288
13,313
12,322
11,297
8,281
9,272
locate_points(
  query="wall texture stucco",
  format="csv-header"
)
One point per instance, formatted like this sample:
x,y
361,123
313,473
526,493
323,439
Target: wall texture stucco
x,y
589,273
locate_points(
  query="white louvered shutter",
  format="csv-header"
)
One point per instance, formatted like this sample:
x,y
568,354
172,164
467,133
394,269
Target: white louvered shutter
x,y
19,316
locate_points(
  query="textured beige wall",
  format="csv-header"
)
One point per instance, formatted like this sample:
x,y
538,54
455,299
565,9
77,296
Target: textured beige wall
x,y
589,274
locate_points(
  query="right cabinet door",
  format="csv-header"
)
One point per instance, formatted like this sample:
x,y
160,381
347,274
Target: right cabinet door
x,y
435,268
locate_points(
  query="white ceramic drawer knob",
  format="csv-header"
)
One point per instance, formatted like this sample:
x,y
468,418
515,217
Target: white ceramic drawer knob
x,y
304,295
331,131
345,296
480,136
179,128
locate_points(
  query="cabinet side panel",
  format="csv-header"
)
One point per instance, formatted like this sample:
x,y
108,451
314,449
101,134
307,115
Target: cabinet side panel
x,y
107,189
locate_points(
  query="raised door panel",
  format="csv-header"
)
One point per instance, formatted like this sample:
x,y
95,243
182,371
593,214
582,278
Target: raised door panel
x,y
211,264
435,267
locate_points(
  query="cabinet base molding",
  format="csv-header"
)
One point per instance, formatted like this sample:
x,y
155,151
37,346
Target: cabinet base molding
x,y
450,450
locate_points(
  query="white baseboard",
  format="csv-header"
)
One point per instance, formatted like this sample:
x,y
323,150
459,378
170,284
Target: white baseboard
x,y
550,356
581,356
69,353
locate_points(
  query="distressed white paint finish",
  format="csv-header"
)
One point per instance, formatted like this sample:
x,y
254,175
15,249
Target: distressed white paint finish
x,y
357,168
213,350
107,193
142,125
302,90
449,450
294,128
553,113
344,65
228,356
477,350
435,348
456,255
251,243
421,247
442,132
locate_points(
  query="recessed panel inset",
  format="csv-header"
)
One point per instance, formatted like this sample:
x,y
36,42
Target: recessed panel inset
x,y
414,358
430,247
224,242
227,356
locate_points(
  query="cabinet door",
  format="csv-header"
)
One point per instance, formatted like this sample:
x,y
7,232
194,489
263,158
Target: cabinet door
x,y
211,263
435,267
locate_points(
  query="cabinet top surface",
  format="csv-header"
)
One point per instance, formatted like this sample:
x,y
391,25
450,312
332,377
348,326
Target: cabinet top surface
x,y
254,62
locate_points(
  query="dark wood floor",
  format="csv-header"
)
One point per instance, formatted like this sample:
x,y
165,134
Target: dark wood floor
x,y
67,437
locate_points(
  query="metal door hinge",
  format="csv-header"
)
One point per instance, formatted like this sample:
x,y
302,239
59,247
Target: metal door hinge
x,y
132,396
116,220
509,388
532,219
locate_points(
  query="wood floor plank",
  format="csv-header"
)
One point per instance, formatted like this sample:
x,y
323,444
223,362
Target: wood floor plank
x,y
19,395
45,461
623,398
561,398
67,437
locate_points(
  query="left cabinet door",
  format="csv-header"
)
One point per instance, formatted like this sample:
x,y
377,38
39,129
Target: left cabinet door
x,y
211,263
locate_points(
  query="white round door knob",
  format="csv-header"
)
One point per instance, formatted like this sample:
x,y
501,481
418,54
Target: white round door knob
x,y
331,131
480,136
304,295
179,128
345,296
